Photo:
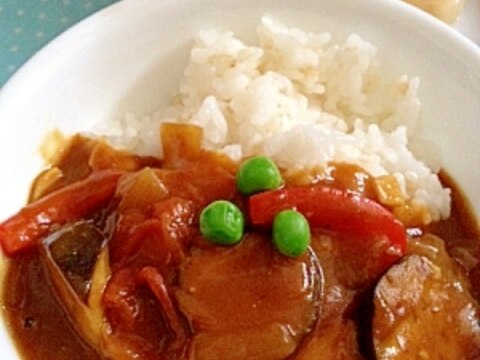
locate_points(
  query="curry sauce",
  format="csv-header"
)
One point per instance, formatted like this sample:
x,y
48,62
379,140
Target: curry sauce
x,y
168,293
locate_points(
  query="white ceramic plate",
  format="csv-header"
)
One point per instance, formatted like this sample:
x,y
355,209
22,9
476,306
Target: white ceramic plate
x,y
129,57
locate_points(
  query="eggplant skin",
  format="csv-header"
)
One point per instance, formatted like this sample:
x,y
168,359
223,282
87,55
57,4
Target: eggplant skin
x,y
75,249
417,303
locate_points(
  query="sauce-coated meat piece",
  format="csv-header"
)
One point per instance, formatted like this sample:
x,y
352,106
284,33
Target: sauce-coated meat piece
x,y
248,302
418,302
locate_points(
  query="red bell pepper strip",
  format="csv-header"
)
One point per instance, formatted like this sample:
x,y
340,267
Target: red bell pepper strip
x,y
72,202
332,209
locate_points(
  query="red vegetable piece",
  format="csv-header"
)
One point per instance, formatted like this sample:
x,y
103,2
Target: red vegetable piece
x,y
333,209
67,204
158,235
121,305
151,277
125,240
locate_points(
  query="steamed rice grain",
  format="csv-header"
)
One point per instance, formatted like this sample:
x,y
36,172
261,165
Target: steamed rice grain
x,y
301,99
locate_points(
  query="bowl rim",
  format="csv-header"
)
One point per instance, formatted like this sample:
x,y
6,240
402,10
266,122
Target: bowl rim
x,y
461,47
436,29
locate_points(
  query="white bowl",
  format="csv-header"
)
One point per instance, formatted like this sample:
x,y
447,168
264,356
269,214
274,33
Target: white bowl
x,y
129,58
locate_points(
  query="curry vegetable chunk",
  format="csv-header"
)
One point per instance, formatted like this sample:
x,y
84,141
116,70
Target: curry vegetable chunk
x,y
424,308
144,265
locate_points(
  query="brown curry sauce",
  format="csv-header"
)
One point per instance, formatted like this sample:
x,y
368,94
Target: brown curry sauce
x,y
41,329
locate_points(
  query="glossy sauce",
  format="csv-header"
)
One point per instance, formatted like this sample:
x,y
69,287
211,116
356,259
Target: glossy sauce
x,y
270,306
36,320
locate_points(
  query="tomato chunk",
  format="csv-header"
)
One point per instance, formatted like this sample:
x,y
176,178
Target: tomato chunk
x,y
67,204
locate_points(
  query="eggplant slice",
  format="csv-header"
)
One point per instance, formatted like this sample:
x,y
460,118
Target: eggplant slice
x,y
423,308
248,301
75,260
75,249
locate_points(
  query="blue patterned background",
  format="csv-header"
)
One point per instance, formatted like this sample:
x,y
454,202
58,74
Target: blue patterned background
x,y
27,25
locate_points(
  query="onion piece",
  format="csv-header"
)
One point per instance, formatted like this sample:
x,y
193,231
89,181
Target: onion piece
x,y
140,190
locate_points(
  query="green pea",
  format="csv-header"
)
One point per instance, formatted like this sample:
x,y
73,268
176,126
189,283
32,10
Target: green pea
x,y
291,233
222,222
257,174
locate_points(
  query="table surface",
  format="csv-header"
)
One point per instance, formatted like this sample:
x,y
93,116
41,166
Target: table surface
x,y
27,25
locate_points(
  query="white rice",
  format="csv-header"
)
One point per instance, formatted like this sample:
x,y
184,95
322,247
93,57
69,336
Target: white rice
x,y
301,99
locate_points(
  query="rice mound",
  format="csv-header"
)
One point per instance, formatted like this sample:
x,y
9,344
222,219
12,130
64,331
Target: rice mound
x,y
301,99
